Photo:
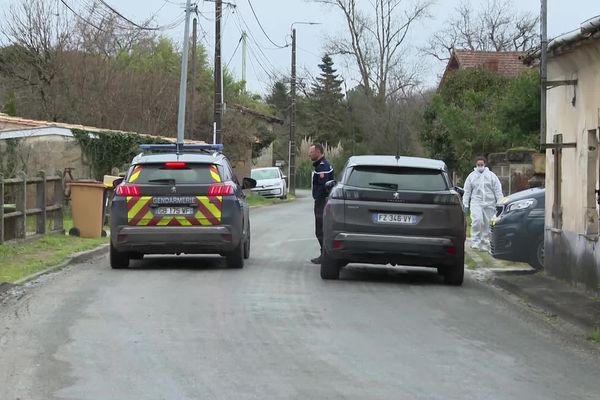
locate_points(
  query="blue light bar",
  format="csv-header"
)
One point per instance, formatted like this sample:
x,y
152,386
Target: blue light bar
x,y
180,148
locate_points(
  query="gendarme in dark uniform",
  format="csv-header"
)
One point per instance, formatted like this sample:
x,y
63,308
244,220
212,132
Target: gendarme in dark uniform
x,y
323,173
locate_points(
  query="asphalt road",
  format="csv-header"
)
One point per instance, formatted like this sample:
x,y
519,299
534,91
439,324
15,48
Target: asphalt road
x,y
187,328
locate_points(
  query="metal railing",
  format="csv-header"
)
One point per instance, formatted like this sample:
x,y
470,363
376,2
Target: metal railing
x,y
14,216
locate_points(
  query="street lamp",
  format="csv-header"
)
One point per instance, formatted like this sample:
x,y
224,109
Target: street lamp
x,y
292,146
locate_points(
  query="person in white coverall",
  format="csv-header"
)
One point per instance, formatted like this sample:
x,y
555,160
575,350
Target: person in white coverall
x,y
483,191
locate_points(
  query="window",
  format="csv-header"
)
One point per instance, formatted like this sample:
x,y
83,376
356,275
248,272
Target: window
x,y
159,174
557,176
394,178
591,215
261,174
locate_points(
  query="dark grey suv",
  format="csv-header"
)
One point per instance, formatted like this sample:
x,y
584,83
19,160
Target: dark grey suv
x,y
180,202
394,210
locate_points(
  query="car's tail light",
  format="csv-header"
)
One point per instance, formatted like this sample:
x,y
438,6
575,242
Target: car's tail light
x,y
337,193
176,165
128,190
337,244
451,250
220,190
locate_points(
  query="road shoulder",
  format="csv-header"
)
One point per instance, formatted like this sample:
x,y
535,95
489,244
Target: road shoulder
x,y
565,306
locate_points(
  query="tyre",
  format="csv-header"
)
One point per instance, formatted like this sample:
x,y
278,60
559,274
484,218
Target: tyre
x,y
536,257
454,275
74,232
235,259
247,244
118,260
330,267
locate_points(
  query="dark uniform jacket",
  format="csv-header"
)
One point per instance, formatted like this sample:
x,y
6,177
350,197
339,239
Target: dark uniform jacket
x,y
322,174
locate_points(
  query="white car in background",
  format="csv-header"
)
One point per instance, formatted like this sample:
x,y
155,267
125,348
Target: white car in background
x,y
270,182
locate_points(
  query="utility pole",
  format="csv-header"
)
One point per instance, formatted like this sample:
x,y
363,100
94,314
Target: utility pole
x,y
218,74
543,70
292,150
193,79
244,56
183,82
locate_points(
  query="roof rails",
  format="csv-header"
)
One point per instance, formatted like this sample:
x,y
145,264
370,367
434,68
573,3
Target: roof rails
x,y
180,148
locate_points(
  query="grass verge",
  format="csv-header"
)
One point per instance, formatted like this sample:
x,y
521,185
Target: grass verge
x,y
595,336
470,263
255,200
18,260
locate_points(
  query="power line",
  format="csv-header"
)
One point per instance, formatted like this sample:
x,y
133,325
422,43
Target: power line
x,y
263,29
80,17
156,28
125,18
235,51
251,35
272,75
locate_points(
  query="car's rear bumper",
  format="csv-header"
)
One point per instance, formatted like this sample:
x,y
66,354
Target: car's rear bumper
x,y
172,240
396,249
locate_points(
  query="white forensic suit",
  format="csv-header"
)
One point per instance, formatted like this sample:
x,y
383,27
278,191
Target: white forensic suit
x,y
483,191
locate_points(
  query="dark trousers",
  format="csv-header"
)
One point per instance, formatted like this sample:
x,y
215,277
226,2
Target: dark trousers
x,y
319,208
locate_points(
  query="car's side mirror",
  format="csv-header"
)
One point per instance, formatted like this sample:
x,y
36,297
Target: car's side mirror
x,y
117,182
248,183
330,184
460,190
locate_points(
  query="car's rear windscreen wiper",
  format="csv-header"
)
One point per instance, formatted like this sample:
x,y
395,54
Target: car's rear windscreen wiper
x,y
163,181
391,186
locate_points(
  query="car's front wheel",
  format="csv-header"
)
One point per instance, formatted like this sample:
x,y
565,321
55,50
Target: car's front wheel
x,y
118,260
536,257
330,267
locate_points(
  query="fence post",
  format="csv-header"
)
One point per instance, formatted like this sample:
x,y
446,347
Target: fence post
x,y
41,193
59,198
1,208
21,200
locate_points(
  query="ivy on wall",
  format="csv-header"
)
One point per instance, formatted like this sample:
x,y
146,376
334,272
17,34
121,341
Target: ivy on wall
x,y
13,157
104,151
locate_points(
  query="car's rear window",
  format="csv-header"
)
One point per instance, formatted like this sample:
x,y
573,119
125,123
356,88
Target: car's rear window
x,y
260,174
394,178
156,174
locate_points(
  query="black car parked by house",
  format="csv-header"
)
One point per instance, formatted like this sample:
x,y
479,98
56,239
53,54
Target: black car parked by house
x,y
518,229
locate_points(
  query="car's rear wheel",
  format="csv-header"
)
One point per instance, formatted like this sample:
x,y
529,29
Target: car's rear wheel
x,y
330,267
247,245
454,275
118,260
536,257
235,258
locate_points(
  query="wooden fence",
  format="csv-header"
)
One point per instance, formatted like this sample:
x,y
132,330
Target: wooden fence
x,y
49,199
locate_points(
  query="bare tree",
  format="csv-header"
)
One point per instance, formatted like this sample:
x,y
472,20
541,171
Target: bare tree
x,y
496,27
36,36
375,40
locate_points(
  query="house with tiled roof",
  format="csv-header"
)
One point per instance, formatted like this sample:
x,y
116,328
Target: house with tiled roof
x,y
505,63
572,235
48,146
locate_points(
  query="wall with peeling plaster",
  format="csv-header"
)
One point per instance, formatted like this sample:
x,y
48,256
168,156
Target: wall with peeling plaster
x,y
572,247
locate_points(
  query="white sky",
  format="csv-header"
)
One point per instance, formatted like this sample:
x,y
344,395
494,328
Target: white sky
x,y
278,15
